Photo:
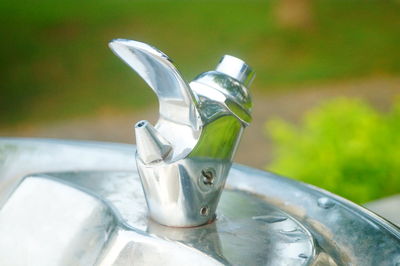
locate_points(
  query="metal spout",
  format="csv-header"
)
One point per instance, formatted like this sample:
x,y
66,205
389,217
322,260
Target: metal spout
x,y
184,160
151,146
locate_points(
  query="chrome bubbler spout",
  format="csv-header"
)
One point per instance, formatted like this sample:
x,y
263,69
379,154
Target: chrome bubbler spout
x,y
183,161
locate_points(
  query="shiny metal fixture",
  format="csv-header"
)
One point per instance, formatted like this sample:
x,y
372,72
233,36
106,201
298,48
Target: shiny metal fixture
x,y
81,203
183,161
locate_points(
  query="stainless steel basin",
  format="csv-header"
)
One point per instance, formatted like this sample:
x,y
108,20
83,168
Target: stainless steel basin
x,y
81,203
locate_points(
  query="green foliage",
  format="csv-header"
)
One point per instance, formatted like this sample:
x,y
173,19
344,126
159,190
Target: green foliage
x,y
56,64
343,146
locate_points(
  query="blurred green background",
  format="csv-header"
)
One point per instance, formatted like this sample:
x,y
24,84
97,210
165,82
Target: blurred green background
x,y
343,145
56,65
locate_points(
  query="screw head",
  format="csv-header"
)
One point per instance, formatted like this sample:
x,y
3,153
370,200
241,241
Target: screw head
x,y
204,211
208,176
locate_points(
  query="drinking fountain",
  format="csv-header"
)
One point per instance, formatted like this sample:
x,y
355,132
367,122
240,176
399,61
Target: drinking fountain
x,y
176,198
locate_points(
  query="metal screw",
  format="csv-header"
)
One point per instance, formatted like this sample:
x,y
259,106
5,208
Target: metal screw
x,y
204,211
208,176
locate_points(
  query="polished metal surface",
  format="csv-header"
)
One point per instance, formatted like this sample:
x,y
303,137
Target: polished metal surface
x,y
183,161
175,98
81,203
236,68
84,203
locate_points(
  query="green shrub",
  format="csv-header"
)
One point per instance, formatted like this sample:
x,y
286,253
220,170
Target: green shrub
x,y
343,146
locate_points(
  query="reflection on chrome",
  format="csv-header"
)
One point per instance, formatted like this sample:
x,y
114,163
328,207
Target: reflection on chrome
x,y
84,203
183,161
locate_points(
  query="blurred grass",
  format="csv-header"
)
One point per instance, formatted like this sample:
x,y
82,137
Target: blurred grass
x,y
56,64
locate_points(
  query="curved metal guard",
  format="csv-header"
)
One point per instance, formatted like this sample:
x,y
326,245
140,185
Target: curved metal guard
x,y
183,161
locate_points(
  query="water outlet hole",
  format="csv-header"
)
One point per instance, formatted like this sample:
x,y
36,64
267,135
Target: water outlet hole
x,y
141,123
